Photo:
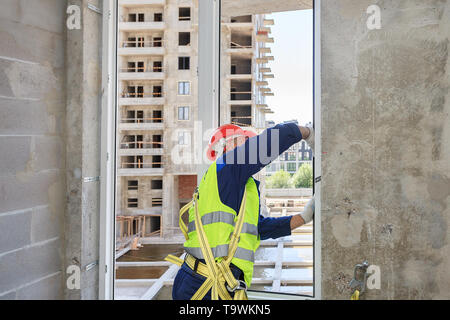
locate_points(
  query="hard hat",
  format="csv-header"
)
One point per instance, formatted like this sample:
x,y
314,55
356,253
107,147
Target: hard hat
x,y
220,137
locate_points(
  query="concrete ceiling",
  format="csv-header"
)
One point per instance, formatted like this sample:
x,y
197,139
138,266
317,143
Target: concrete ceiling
x,y
244,7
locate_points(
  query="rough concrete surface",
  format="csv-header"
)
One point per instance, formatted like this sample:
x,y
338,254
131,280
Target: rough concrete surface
x,y
32,138
386,147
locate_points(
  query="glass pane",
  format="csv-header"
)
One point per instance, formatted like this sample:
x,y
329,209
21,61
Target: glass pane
x,y
267,79
150,188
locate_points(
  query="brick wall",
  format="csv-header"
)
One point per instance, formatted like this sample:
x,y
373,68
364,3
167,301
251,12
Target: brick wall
x,y
186,186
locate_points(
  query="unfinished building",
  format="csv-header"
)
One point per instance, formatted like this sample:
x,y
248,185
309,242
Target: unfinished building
x,y
383,95
158,106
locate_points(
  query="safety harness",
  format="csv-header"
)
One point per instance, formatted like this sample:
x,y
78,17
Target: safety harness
x,y
219,278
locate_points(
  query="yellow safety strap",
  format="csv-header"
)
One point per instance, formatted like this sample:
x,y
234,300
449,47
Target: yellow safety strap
x,y
355,295
183,226
219,272
174,260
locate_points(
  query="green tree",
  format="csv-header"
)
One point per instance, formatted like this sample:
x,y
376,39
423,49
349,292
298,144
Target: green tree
x,y
279,180
303,178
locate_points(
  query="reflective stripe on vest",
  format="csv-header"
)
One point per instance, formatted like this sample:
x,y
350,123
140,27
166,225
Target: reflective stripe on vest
x,y
222,250
224,217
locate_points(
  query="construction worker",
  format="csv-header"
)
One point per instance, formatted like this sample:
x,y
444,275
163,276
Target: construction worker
x,y
225,221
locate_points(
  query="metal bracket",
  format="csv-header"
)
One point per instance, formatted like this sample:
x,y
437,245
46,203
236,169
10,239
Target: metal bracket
x,y
359,272
91,265
91,179
94,8
318,179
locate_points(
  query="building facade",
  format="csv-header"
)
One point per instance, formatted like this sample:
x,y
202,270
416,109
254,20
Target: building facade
x,y
291,160
158,104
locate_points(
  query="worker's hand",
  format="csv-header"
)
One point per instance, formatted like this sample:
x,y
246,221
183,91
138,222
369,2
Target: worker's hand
x,y
308,213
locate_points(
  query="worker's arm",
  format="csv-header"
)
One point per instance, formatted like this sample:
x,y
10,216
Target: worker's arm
x,y
281,227
236,167
248,159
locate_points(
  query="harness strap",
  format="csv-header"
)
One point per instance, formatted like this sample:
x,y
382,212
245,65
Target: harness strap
x,y
183,226
218,273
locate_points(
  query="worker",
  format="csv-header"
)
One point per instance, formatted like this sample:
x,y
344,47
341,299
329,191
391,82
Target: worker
x,y
225,221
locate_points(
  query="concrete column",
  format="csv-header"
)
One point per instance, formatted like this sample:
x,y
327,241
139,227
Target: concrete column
x,y
168,201
83,146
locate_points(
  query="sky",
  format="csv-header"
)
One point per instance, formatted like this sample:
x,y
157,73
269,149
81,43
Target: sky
x,y
293,67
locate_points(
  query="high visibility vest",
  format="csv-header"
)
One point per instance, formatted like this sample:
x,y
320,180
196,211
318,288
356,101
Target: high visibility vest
x,y
219,220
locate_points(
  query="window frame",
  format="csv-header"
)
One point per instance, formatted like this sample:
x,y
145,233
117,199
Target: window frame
x,y
182,63
190,38
188,108
180,18
190,88
187,138
209,111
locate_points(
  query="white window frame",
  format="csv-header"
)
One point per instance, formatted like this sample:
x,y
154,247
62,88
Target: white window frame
x,y
209,54
184,87
209,93
185,136
184,113
108,144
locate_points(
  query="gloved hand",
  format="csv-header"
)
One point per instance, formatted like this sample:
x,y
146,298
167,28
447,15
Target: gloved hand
x,y
308,213
310,140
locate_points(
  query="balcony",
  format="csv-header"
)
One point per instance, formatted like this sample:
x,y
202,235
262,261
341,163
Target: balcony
x,y
141,3
241,43
141,99
142,26
140,47
242,115
138,167
241,92
262,60
241,22
141,148
269,22
136,124
241,68
262,83
263,36
265,50
141,74
266,30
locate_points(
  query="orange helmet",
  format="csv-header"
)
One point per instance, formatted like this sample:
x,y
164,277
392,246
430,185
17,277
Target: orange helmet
x,y
222,135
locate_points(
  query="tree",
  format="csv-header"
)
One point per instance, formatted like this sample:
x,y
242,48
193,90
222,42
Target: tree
x,y
303,178
279,180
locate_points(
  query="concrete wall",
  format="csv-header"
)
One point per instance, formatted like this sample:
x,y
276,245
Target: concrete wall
x,y
386,147
32,148
83,148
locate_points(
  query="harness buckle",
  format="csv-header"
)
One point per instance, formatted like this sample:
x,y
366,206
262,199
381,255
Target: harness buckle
x,y
241,285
